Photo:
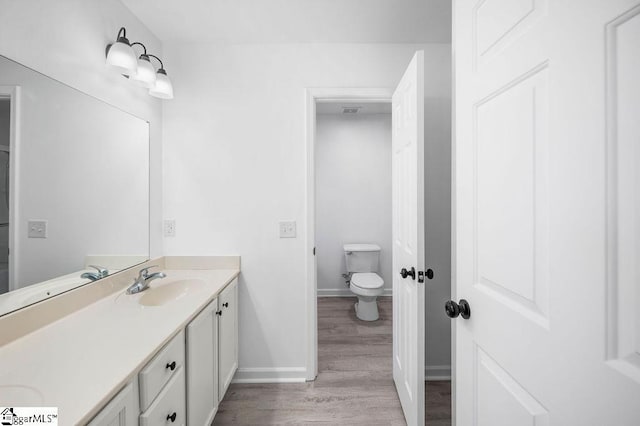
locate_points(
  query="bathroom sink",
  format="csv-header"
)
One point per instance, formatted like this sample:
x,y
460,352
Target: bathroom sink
x,y
18,395
162,293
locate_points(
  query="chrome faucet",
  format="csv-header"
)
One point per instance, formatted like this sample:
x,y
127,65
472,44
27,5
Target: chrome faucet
x,y
144,279
94,276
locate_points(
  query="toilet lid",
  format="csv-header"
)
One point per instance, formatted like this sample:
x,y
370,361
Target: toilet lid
x,y
361,247
367,280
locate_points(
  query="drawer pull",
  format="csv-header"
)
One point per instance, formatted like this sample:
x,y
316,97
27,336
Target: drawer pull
x,y
219,313
172,417
225,304
171,366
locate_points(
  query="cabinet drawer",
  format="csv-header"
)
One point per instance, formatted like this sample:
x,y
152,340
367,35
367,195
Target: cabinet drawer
x,y
169,408
160,370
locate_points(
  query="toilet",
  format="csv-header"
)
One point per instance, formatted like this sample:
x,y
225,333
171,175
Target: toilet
x,y
362,265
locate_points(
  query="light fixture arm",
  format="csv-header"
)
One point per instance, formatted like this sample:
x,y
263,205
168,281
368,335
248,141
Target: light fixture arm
x,y
122,35
143,47
157,59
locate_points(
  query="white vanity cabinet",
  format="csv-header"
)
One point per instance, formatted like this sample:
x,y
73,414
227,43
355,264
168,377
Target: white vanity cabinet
x,y
122,410
185,381
228,340
202,366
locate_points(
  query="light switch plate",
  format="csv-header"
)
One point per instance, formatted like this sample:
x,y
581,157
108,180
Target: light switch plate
x,y
288,229
170,228
37,229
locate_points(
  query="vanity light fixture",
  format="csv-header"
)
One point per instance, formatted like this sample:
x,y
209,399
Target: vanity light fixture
x,y
163,88
122,56
146,74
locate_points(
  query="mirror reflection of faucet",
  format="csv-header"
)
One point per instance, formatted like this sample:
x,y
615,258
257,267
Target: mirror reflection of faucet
x,y
94,276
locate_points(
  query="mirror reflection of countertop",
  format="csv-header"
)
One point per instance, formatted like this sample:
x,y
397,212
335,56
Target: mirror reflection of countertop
x,y
34,293
79,362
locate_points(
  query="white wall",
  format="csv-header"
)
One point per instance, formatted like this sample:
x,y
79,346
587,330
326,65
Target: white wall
x,y
235,165
66,39
353,193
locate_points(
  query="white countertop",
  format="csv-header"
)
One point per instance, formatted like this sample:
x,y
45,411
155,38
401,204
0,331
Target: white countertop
x,y
81,361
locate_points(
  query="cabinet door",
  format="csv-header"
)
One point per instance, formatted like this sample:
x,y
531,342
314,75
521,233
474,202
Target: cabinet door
x,y
122,410
202,366
228,329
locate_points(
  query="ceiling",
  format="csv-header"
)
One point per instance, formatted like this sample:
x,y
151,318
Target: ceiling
x,y
296,21
364,108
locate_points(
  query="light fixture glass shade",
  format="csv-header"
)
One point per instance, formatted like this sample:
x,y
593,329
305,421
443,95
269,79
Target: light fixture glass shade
x,y
122,57
146,74
163,88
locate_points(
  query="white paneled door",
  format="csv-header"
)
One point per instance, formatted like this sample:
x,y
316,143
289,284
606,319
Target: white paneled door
x,y
547,212
408,240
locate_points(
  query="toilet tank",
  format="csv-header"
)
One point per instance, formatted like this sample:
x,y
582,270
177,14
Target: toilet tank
x,y
362,257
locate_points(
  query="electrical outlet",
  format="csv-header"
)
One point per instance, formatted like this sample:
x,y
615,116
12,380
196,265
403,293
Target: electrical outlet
x,y
170,228
37,229
288,229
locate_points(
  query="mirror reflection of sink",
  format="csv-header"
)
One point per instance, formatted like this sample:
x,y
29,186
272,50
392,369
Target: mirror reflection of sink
x,y
18,395
163,293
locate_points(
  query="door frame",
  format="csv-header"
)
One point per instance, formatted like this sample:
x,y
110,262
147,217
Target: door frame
x,y
314,95
13,93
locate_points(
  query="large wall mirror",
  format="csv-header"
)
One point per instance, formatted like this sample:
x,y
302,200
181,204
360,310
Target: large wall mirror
x,y
74,188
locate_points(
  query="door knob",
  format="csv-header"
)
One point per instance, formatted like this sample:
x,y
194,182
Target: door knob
x,y
454,309
412,273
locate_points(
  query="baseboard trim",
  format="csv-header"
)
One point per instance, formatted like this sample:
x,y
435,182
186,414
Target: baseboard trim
x,y
298,374
434,373
344,292
270,375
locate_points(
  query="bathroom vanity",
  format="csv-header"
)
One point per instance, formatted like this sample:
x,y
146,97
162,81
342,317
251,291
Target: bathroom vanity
x,y
70,335
165,355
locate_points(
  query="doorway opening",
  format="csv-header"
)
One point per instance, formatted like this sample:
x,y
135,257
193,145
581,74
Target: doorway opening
x,y
353,200
352,163
333,326
316,97
8,184
5,157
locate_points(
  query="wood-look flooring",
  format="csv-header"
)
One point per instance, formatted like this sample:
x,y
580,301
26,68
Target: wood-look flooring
x,y
354,384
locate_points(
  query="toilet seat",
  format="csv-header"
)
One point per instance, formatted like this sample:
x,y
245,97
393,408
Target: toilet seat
x,y
368,280
367,284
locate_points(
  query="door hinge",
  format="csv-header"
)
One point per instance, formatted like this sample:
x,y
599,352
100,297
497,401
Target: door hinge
x,y
314,251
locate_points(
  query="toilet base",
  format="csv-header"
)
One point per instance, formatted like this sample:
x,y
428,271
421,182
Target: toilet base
x,y
367,308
